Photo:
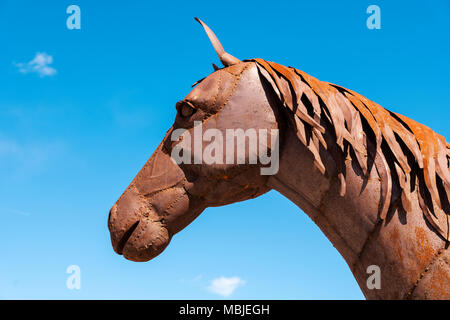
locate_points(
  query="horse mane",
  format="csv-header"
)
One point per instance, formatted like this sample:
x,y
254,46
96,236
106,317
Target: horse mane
x,y
406,154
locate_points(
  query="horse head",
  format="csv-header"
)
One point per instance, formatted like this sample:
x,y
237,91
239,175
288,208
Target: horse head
x,y
175,186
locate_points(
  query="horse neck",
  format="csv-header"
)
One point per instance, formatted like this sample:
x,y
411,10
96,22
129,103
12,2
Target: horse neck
x,y
404,248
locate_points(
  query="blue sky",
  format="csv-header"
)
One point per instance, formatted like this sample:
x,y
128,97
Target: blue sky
x,y
73,136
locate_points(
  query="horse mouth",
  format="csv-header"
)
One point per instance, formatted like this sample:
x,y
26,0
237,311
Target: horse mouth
x,y
143,240
126,236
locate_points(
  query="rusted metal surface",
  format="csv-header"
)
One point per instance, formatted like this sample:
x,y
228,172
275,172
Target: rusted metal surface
x,y
375,182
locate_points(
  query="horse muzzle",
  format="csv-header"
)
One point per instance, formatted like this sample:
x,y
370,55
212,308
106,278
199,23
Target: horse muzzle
x,y
136,230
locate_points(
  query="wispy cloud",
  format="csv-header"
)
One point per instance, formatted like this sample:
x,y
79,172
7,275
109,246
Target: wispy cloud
x,y
225,286
127,114
40,65
18,212
8,147
22,159
195,279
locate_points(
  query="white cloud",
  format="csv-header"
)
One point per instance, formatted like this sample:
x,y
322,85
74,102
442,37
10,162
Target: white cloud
x,y
225,286
40,65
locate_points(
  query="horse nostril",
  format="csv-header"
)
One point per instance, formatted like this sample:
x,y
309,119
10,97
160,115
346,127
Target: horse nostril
x,y
110,215
125,237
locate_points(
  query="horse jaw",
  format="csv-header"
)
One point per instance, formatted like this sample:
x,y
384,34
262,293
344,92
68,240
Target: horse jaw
x,y
152,209
165,197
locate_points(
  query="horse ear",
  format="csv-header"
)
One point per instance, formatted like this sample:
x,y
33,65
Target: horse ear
x,y
226,58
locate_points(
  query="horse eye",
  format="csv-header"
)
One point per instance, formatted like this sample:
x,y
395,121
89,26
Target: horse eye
x,y
186,110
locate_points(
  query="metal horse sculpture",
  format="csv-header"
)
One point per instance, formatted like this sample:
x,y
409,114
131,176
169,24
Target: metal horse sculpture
x,y
375,182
